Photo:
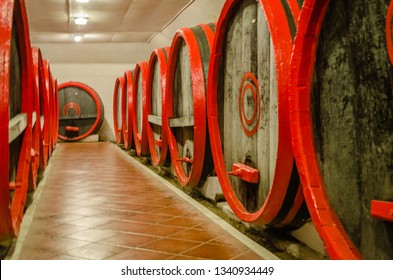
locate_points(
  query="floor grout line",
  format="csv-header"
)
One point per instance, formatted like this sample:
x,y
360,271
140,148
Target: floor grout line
x,y
252,245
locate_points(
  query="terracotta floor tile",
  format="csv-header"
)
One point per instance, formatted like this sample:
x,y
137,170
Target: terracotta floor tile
x,y
138,254
92,235
129,240
95,251
175,246
194,235
98,205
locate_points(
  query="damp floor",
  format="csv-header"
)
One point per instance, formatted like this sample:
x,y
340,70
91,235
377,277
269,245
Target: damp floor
x,y
96,202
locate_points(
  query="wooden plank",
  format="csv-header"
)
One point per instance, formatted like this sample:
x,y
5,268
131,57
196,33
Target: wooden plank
x,y
16,126
264,55
182,122
84,116
155,120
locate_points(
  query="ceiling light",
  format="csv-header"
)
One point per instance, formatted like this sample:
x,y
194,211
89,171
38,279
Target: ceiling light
x,y
80,20
77,38
82,1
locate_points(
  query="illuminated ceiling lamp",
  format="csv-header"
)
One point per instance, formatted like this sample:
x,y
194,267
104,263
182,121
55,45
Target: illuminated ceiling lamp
x,y
80,20
82,1
77,38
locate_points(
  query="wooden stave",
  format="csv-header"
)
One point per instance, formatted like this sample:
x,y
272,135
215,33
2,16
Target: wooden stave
x,y
140,134
202,158
48,134
99,106
159,56
119,84
127,110
274,211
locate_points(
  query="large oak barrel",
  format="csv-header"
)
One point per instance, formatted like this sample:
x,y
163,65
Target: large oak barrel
x,y
127,107
185,103
118,102
81,111
342,124
15,115
36,147
248,112
38,84
55,112
48,125
139,117
156,86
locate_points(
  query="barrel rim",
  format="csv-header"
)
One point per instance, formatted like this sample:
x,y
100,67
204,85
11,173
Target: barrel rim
x,y
97,101
119,83
141,145
337,242
128,101
199,98
282,41
158,55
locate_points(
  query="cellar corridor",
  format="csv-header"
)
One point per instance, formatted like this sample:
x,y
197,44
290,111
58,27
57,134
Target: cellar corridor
x,y
96,202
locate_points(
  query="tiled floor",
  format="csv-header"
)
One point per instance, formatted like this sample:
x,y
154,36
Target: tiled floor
x,y
96,203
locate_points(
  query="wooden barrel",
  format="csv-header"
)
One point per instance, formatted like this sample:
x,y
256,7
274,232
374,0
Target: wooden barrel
x,y
248,112
117,109
185,103
36,147
48,124
156,85
139,119
15,115
341,122
81,111
127,109
39,83
56,118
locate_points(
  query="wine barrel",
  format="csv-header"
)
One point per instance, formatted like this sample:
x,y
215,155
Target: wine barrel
x,y
48,124
341,121
55,113
118,109
139,118
185,103
156,84
127,109
15,115
38,85
36,147
248,112
81,111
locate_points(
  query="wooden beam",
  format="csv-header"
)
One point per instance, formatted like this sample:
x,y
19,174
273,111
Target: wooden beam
x,y
155,120
16,126
181,122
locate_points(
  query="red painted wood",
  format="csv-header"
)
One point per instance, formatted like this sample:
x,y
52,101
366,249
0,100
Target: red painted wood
x,y
12,202
158,56
282,41
48,124
100,109
140,134
382,210
199,92
119,85
337,242
128,103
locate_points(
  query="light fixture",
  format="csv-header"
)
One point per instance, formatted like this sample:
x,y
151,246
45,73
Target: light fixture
x,y
82,1
77,38
80,20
